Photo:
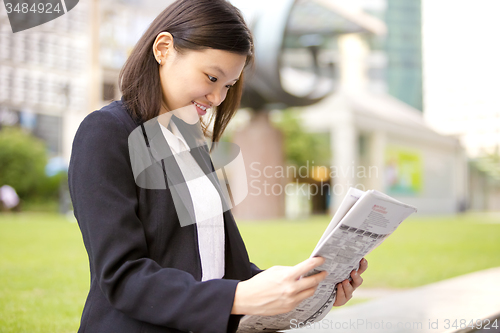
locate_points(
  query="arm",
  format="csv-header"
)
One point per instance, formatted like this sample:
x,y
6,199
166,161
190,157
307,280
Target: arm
x,y
103,191
255,270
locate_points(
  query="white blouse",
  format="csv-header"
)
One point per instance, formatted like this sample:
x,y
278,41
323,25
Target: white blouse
x,y
207,205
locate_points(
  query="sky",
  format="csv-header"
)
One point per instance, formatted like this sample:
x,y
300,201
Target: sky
x,y
461,57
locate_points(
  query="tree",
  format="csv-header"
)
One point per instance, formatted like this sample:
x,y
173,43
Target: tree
x,y
22,162
302,146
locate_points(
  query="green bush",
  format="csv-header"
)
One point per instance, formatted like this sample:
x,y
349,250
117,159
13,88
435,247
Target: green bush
x,y
301,146
23,159
50,186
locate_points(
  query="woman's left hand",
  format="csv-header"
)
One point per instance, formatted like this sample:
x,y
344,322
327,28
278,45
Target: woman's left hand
x,y
346,287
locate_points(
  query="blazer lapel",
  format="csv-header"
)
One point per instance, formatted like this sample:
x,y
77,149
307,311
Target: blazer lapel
x,y
160,150
236,257
199,150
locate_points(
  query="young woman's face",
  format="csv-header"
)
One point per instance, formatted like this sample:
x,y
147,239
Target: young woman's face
x,y
202,77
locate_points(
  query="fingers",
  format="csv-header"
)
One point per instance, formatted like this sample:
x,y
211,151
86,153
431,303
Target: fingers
x,y
345,290
305,266
311,281
340,298
363,265
306,293
348,289
357,280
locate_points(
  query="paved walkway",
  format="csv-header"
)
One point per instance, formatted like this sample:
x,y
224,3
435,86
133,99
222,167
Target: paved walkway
x,y
444,306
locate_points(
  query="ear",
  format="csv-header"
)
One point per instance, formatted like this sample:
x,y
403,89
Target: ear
x,y
163,45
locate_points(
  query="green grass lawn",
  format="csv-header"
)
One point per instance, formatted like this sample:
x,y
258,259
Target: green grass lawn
x,y
44,275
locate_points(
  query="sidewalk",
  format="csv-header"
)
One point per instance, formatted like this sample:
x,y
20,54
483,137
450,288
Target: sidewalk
x,y
431,308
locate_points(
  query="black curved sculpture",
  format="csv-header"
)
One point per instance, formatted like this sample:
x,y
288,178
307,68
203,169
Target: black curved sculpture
x,y
271,24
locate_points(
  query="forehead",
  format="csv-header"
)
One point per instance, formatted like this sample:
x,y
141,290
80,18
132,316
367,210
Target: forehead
x,y
230,63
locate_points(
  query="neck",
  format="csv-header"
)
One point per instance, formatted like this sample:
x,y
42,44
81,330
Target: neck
x,y
164,118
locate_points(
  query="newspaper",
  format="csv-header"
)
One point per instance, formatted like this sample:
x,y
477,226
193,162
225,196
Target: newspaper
x,y
362,222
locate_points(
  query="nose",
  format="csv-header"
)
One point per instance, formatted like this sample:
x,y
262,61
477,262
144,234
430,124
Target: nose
x,y
216,97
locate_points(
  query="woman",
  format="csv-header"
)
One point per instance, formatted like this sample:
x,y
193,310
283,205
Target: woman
x,y
149,273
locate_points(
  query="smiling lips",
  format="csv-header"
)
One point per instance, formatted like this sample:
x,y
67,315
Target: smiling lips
x,y
202,109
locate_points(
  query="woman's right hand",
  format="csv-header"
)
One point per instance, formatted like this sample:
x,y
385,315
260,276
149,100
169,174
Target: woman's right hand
x,y
278,289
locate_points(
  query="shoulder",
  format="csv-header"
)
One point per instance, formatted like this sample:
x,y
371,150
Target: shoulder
x,y
112,117
102,142
112,123
105,131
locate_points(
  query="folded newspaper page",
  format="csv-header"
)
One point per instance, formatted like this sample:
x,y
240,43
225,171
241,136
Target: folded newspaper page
x,y
362,222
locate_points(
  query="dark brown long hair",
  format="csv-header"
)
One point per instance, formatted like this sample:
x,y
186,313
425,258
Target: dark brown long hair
x,y
195,25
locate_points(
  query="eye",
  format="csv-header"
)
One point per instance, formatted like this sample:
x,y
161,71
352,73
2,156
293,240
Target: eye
x,y
214,79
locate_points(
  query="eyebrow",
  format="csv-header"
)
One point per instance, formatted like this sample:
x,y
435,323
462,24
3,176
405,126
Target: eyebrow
x,y
218,69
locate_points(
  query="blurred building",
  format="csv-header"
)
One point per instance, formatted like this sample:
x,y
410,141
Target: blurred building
x,y
53,75
379,138
297,57
121,24
396,58
379,142
378,135
43,75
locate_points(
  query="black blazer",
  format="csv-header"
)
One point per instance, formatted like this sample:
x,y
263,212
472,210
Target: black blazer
x,y
145,269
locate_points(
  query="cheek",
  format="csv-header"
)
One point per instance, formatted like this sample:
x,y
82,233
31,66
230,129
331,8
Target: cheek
x,y
199,92
182,85
168,85
175,88
195,88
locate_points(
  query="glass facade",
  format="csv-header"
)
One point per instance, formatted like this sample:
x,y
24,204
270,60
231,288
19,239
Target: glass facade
x,y
403,46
